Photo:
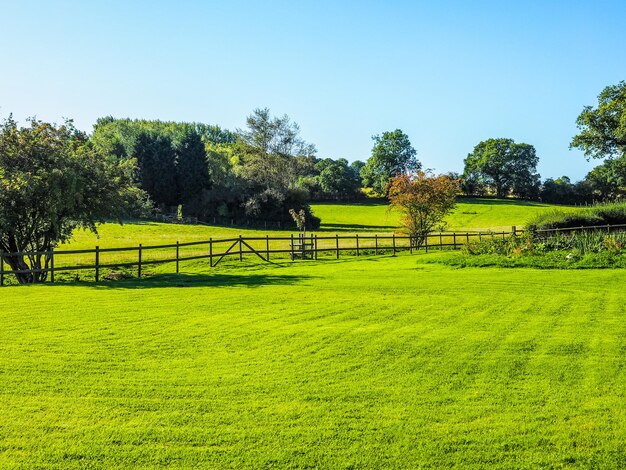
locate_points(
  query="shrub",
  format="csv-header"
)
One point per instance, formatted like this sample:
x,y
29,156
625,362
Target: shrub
x,y
601,214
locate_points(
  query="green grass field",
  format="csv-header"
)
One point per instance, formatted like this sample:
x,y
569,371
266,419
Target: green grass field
x,y
375,362
470,214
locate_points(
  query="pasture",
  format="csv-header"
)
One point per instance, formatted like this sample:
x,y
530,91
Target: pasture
x,y
372,217
376,362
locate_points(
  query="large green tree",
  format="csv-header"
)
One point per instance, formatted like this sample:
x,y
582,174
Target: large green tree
x,y
392,155
273,154
504,166
52,181
337,178
603,128
192,170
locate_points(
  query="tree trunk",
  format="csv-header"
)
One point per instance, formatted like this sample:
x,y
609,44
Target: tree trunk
x,y
17,263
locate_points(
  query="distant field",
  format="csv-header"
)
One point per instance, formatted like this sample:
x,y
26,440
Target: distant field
x,y
376,362
470,214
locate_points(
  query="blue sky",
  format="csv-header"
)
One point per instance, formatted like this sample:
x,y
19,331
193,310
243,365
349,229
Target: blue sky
x,y
448,73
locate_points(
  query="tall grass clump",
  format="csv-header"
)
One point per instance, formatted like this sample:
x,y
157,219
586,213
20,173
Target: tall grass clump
x,y
601,214
531,243
581,249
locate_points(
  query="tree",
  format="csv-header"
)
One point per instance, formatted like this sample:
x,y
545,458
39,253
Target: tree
x,y
337,179
272,150
504,166
156,159
392,155
192,171
603,129
423,200
51,182
608,180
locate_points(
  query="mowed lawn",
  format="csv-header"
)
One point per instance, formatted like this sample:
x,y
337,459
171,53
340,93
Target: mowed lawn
x,y
373,362
469,214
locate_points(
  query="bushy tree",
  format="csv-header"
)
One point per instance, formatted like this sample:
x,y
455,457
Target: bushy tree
x,y
192,171
423,199
608,180
505,167
392,155
603,129
272,152
52,181
156,162
337,178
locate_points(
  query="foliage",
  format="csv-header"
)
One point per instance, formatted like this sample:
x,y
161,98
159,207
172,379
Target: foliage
x,y
52,181
171,158
504,167
338,179
603,129
563,191
392,155
423,199
299,218
581,249
272,151
599,214
213,172
608,180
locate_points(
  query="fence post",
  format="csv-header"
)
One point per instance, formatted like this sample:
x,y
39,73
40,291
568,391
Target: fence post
x,y
51,269
376,244
454,239
315,247
440,241
292,253
514,230
357,244
240,249
466,238
267,247
426,243
97,264
139,263
337,244
211,251
312,246
1,268
393,239
177,257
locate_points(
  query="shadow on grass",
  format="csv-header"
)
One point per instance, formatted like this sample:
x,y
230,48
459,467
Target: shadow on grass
x,y
199,280
353,227
501,202
360,202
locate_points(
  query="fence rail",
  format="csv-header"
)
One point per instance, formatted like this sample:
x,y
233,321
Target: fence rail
x,y
311,246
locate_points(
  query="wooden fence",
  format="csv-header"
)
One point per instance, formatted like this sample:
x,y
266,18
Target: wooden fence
x,y
312,246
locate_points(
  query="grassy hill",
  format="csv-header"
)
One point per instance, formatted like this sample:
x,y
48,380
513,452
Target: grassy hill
x,y
376,362
469,214
374,217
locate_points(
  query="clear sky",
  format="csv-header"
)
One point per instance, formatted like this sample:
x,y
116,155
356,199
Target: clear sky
x,y
448,73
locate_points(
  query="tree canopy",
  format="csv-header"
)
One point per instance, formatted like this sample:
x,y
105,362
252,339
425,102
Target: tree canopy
x,y
603,128
423,199
52,181
504,166
392,155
